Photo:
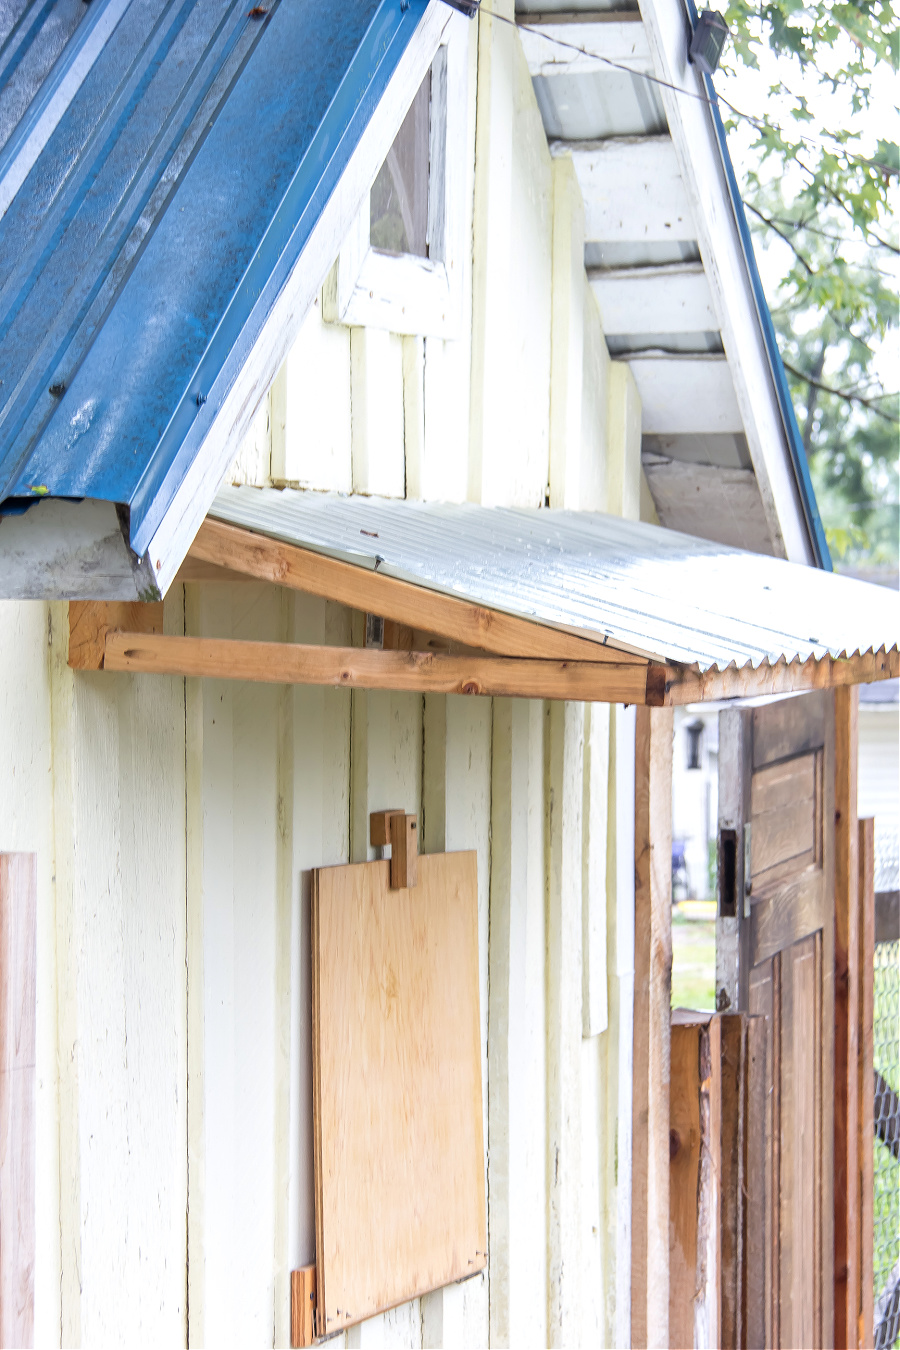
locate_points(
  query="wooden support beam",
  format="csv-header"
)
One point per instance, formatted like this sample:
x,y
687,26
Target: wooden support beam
x,y
652,1001
415,606
683,685
91,620
866,1075
363,668
846,1021
303,1306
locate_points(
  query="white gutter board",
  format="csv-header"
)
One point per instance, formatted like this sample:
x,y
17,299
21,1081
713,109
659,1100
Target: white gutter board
x,y
618,37
632,189
673,299
703,175
682,394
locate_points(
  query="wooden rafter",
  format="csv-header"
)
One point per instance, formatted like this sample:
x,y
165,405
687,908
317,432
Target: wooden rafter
x,y
359,588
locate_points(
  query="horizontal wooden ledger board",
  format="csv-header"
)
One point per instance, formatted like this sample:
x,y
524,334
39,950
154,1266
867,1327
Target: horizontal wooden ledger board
x,y
397,1106
363,668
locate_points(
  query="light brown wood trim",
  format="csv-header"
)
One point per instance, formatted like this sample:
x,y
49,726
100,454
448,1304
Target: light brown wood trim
x,y
415,606
303,1306
652,1027
865,1094
18,1013
688,1202
363,668
91,620
846,1020
683,685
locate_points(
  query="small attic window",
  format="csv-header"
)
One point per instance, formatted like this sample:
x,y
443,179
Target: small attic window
x,y
401,267
398,206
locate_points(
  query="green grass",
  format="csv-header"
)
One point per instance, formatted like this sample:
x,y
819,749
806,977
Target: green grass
x,y
693,963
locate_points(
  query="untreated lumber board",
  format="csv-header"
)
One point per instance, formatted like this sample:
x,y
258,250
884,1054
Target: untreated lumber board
x,y
404,852
686,1145
18,1086
652,1004
398,1136
303,1306
865,1077
364,668
846,1020
684,685
91,620
415,606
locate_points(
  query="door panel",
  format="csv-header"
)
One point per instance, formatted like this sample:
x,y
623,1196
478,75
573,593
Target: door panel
x,y
776,777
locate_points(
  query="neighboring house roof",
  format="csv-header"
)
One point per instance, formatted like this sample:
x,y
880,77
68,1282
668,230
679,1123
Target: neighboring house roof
x,y
633,586
175,181
671,264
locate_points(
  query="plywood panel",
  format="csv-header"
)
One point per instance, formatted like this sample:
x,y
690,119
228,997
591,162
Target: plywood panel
x,y
400,1204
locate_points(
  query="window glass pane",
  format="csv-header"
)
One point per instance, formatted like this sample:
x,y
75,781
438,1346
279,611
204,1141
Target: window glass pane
x,y
398,210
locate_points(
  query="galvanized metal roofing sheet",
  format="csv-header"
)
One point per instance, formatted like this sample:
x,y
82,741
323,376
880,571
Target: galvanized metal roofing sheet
x,y
162,166
646,589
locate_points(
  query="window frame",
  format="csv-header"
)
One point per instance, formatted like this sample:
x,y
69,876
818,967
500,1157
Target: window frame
x,y
400,292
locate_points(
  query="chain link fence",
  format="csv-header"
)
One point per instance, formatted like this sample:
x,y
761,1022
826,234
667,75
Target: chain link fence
x,y
887,1110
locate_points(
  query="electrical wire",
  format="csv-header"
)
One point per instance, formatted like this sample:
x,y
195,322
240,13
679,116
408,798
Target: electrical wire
x,y
759,123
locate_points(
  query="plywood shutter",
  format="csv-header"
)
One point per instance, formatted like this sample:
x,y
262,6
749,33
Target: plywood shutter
x,y
399,1161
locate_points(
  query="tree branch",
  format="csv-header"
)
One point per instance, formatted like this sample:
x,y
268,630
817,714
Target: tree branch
x,y
869,403
811,271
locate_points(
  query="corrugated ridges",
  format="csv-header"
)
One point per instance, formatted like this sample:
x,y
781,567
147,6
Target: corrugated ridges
x,y
670,596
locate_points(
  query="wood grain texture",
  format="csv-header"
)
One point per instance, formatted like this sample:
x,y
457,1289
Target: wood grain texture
x,y
303,1306
404,852
797,909
685,1151
684,685
18,994
846,1020
865,1076
359,668
753,1322
91,620
359,588
652,1002
729,1065
400,1202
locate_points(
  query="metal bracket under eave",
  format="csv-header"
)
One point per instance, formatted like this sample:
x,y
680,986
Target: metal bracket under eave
x,y
402,833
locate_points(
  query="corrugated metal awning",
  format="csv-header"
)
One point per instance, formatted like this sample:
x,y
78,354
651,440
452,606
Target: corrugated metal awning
x,y
628,585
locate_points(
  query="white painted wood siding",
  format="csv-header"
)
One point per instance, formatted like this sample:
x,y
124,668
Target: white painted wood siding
x,y
176,823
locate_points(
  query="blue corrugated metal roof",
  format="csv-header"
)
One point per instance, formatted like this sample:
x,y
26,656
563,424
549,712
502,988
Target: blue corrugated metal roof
x,y
162,165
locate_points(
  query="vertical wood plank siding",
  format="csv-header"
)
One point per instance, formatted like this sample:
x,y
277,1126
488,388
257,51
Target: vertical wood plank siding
x,y
18,925
652,1003
175,823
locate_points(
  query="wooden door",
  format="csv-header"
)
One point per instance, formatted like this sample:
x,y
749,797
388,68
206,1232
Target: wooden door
x,y
775,957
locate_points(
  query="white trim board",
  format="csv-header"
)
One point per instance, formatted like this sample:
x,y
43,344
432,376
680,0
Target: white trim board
x,y
51,563
416,296
618,37
185,515
632,188
703,175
